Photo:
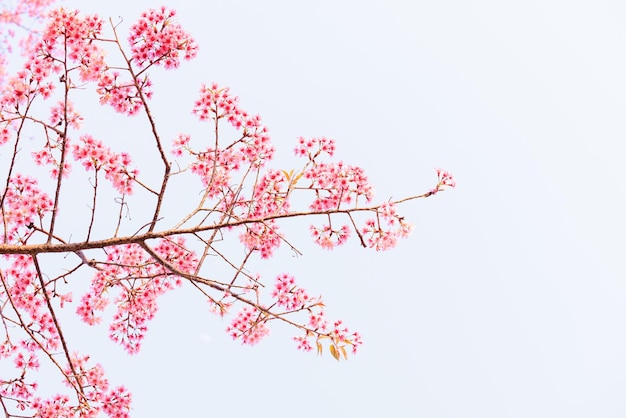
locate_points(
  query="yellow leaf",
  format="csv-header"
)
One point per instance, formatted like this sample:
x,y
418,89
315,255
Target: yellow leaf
x,y
343,351
319,348
334,352
295,180
287,175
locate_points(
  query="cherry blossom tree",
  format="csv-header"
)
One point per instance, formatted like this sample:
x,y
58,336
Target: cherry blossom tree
x,y
49,161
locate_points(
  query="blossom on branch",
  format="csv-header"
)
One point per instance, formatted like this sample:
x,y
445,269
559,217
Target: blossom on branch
x,y
158,39
137,260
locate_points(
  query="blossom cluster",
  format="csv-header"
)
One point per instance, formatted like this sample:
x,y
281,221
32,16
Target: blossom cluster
x,y
215,168
17,15
313,147
288,295
24,206
95,156
24,300
270,197
250,325
124,96
20,90
383,232
72,35
217,103
24,289
339,335
65,112
339,186
334,183
328,238
61,113
97,395
262,237
444,180
156,38
140,280
216,165
337,183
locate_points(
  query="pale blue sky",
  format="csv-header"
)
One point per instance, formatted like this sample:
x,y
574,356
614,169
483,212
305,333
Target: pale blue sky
x,y
509,300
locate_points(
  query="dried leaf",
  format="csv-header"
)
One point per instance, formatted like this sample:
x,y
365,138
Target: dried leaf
x,y
298,177
343,351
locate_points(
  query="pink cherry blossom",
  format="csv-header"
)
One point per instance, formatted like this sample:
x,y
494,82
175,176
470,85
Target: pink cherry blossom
x,y
158,39
444,180
24,204
140,281
249,325
262,237
313,147
335,184
215,103
68,29
15,16
288,295
123,95
328,238
94,155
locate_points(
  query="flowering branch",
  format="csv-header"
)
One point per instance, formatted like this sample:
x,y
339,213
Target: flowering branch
x,y
240,195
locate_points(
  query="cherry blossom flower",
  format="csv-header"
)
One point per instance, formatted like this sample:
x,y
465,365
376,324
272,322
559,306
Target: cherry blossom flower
x,y
249,325
158,39
444,180
288,295
140,281
24,204
94,155
313,147
329,238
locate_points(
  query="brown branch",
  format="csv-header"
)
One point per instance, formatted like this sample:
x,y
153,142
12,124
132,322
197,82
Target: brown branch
x,y
26,329
12,165
57,192
95,201
140,238
144,101
57,325
197,279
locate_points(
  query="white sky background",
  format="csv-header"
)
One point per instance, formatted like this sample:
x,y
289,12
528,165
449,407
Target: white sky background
x,y
509,300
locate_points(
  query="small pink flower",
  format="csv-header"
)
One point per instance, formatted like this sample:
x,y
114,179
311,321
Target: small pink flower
x,y
444,180
288,295
158,39
248,325
329,238
94,155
